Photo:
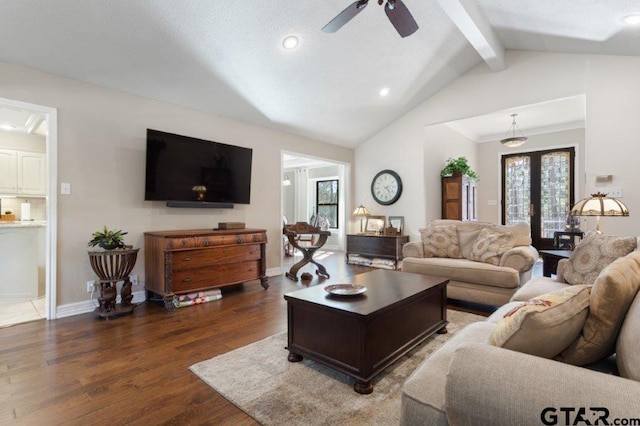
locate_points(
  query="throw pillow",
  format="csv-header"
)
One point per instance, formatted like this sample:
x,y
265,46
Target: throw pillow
x,y
628,345
490,246
440,241
592,254
543,326
611,296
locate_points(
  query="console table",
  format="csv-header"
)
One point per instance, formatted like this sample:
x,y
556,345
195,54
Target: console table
x,y
188,261
384,246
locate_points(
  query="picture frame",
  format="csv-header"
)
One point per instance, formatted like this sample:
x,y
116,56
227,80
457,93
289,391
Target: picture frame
x,y
374,224
398,223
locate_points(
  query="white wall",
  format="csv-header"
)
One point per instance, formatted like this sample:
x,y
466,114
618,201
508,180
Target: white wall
x,y
611,145
101,152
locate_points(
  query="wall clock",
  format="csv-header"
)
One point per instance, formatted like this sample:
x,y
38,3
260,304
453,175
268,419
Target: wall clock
x,y
386,187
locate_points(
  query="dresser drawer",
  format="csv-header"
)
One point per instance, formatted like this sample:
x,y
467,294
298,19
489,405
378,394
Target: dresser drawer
x,y
214,276
178,243
198,258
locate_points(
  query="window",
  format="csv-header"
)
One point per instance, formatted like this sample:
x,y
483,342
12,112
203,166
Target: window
x,y
327,200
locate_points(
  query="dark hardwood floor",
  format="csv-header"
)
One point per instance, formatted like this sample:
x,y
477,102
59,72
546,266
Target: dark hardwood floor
x,y
134,369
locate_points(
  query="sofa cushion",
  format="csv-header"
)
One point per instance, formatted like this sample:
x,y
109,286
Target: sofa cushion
x,y
543,326
463,270
467,232
611,295
592,254
522,232
628,346
536,287
440,241
491,245
423,392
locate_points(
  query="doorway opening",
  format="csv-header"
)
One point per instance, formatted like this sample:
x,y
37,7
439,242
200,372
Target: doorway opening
x,y
28,140
312,186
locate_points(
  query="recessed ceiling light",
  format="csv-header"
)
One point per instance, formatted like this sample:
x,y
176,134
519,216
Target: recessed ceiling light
x,y
384,91
290,42
7,127
632,19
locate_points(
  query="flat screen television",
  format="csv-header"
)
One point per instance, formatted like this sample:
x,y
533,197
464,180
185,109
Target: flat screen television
x,y
190,172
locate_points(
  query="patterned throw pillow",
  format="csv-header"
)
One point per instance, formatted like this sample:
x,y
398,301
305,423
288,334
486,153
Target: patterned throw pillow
x,y
546,325
611,295
490,246
592,254
441,241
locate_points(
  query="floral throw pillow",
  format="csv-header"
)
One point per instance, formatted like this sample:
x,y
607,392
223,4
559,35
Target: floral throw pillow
x,y
441,241
546,325
491,245
592,254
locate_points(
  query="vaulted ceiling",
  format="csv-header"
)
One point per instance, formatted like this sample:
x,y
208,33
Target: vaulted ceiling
x,y
227,57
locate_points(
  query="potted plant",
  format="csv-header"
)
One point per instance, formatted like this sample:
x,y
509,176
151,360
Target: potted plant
x,y
108,239
458,166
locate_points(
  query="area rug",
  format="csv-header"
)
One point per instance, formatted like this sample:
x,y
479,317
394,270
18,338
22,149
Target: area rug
x,y
260,381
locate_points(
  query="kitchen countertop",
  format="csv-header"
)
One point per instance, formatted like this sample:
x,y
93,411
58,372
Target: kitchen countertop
x,y
23,224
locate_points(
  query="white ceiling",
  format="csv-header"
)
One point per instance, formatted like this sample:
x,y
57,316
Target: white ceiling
x,y
226,57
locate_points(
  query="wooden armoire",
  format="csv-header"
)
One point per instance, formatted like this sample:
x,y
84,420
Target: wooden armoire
x,y
459,198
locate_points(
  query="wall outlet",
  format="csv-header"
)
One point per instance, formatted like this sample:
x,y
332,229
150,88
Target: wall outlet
x,y
134,279
90,286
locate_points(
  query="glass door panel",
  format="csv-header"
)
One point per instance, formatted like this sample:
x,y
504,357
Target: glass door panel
x,y
538,190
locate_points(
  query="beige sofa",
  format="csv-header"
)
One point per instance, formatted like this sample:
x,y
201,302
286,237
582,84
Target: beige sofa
x,y
471,280
471,382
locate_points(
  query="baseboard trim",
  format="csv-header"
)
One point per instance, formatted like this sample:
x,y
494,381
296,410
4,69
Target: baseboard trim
x,y
87,306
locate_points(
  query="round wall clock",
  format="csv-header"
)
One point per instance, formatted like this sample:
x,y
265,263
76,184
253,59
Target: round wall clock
x,y
386,187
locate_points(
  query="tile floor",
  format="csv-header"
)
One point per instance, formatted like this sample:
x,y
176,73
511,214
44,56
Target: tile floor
x,y
19,312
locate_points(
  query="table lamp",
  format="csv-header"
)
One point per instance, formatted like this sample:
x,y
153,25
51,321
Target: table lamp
x,y
599,205
361,212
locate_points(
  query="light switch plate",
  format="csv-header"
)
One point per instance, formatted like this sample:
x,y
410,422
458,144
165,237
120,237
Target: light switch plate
x,y
65,188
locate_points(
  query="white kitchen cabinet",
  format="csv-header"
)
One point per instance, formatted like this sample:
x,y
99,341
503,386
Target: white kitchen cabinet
x,y
8,171
31,173
18,263
22,172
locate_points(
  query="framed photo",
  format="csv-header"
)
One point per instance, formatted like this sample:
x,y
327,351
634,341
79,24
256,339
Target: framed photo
x,y
397,222
374,224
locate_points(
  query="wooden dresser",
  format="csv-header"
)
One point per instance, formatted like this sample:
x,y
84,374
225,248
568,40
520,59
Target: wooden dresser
x,y
187,261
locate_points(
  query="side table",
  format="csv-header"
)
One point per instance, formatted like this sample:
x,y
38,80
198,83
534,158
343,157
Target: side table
x,y
112,266
550,259
292,232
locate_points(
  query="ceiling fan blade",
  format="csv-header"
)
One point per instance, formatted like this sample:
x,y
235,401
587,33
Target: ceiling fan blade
x,y
401,18
345,16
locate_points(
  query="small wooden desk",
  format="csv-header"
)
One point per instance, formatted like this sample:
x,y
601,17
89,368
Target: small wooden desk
x,y
550,259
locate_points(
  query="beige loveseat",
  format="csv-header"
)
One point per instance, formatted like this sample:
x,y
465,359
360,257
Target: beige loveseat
x,y
469,381
477,281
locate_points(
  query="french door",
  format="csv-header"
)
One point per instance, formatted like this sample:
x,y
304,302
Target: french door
x,y
537,188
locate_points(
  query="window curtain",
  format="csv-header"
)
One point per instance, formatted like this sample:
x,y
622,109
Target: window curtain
x,y
301,179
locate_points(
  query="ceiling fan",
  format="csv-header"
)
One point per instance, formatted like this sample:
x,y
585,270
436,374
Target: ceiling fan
x,y
396,11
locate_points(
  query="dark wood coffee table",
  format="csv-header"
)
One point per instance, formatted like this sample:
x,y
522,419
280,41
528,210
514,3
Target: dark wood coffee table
x,y
362,335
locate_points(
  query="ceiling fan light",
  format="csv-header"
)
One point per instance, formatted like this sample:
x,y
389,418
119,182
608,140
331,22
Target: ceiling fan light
x,y
384,92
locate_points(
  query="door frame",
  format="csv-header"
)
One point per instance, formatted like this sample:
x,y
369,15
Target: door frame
x,y
577,183
51,115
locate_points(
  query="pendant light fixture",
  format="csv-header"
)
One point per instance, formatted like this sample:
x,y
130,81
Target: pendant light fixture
x,y
513,140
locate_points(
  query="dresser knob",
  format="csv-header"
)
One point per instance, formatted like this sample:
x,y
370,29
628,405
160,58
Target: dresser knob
x,y
186,259
186,280
206,243
184,243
